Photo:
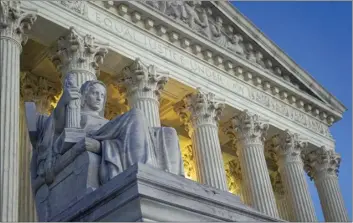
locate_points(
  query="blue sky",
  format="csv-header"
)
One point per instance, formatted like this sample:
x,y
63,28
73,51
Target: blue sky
x,y
318,37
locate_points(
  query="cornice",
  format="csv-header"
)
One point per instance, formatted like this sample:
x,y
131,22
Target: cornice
x,y
270,47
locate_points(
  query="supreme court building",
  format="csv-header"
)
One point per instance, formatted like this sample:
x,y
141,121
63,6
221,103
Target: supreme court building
x,y
250,121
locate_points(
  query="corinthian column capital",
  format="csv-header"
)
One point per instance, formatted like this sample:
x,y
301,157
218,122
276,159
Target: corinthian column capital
x,y
251,128
77,52
204,107
14,21
322,162
138,77
289,145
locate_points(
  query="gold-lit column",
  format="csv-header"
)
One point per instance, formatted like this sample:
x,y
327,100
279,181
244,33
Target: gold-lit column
x,y
201,113
257,189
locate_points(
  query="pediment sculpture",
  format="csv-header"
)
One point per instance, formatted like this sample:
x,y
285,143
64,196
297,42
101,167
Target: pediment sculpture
x,y
77,140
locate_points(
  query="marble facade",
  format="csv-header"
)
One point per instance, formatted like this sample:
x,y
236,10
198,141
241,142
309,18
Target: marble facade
x,y
249,120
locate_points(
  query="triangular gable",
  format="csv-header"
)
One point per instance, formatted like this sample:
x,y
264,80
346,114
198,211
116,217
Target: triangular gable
x,y
312,86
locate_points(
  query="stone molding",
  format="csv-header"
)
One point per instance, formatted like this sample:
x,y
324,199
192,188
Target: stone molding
x,y
79,52
15,22
322,162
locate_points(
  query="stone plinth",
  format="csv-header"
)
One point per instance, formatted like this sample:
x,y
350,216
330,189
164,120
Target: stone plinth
x,y
143,193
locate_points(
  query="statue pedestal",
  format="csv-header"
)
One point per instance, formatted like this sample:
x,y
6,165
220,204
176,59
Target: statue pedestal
x,y
143,193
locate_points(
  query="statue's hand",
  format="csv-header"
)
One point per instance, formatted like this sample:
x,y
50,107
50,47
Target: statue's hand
x,y
92,145
70,94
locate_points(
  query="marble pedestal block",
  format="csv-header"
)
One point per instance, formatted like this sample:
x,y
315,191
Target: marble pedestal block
x,y
143,193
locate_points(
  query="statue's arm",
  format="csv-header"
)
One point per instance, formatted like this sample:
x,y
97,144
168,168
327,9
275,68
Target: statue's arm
x,y
59,113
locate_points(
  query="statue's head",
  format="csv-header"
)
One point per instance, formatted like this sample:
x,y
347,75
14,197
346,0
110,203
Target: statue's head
x,y
93,96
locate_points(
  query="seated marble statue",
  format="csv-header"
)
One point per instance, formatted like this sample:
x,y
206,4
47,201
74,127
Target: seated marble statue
x,y
121,142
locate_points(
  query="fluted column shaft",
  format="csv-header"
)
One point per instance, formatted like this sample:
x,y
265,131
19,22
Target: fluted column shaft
x,y
148,103
290,166
331,199
283,207
200,113
322,165
257,189
208,157
13,23
297,191
143,84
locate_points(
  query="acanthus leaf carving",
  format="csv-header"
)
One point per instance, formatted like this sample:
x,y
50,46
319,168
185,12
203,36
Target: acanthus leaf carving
x,y
321,162
139,78
15,22
251,128
76,51
289,146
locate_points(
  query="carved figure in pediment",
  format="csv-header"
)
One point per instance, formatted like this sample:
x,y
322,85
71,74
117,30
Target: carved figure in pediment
x,y
176,9
160,5
216,31
250,53
235,44
259,58
192,15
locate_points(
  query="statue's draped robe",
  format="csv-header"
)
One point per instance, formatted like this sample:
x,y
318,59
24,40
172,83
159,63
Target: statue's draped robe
x,y
126,140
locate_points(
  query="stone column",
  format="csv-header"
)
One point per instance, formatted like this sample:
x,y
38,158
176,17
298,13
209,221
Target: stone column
x,y
14,22
257,189
322,165
143,84
288,147
79,55
201,115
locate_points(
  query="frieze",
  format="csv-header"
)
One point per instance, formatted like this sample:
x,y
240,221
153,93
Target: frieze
x,y
213,75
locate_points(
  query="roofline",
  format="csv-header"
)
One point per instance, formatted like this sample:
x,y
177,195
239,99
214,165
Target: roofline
x,y
277,53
